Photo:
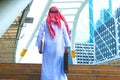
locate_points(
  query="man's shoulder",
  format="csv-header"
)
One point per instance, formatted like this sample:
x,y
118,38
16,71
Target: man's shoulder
x,y
43,22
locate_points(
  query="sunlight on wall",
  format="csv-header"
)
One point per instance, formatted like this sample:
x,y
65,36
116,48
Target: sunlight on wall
x,y
32,55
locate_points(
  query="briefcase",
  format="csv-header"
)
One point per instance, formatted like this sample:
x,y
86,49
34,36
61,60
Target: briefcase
x,y
66,62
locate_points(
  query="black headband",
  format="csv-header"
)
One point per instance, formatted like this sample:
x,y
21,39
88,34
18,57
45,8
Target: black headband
x,y
53,11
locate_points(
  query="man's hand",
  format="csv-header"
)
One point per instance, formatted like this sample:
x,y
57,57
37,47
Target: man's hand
x,y
40,51
66,50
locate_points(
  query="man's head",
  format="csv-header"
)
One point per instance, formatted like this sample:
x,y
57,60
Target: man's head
x,y
54,16
53,9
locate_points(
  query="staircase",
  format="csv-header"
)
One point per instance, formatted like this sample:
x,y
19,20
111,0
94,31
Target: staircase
x,y
11,71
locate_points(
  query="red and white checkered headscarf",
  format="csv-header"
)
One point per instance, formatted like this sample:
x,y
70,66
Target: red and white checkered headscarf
x,y
54,16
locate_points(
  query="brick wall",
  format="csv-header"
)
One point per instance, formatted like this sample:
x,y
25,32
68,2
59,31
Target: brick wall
x,y
7,58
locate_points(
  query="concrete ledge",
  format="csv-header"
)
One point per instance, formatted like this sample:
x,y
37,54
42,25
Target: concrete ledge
x,y
13,71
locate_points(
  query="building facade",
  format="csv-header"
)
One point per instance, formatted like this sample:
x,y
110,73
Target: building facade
x,y
105,41
117,19
84,53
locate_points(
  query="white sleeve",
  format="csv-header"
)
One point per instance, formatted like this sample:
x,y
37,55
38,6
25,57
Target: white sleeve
x,y
40,35
66,37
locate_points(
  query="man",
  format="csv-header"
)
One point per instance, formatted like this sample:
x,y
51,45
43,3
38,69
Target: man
x,y
55,32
